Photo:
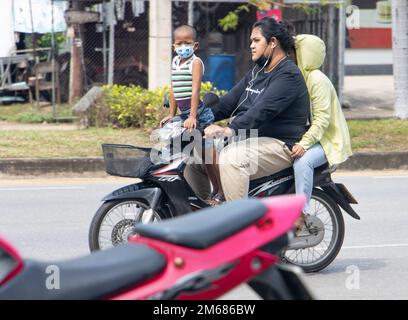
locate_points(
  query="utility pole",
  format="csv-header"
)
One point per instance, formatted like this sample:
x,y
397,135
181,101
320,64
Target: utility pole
x,y
160,43
400,56
111,55
331,44
75,79
190,13
342,48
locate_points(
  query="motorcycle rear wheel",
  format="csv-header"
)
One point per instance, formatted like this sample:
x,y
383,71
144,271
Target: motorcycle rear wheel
x,y
317,258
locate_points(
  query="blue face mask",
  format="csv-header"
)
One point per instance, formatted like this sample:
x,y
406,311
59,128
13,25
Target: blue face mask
x,y
185,52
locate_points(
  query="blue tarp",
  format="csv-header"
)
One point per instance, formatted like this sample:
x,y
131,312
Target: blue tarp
x,y
220,70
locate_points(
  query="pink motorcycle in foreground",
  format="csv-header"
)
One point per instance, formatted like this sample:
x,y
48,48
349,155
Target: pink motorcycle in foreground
x,y
201,255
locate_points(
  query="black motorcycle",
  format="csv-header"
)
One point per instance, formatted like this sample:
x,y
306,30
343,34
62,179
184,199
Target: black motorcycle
x,y
163,193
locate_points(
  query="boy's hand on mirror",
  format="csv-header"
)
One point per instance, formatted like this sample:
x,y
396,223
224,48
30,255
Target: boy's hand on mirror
x,y
164,120
190,123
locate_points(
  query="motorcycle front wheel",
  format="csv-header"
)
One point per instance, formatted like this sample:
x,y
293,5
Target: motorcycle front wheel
x,y
113,223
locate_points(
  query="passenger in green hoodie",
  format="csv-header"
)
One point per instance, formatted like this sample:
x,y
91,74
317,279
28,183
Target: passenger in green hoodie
x,y
327,139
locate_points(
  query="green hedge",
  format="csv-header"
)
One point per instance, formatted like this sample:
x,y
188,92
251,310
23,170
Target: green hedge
x,y
133,106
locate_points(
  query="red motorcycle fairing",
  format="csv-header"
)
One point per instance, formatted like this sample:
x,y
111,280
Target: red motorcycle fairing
x,y
243,250
11,262
176,259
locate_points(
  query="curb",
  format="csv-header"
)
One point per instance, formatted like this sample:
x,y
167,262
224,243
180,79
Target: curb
x,y
38,166
92,165
376,161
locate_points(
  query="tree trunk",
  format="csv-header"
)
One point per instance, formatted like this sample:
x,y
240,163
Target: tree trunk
x,y
400,56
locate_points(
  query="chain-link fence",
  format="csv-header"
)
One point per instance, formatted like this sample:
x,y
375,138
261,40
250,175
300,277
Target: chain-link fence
x,y
214,43
82,51
129,64
131,39
322,21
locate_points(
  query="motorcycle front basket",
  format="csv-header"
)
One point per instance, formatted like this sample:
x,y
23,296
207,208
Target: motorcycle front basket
x,y
126,161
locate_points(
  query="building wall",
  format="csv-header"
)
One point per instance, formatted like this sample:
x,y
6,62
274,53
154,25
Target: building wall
x,y
368,61
369,38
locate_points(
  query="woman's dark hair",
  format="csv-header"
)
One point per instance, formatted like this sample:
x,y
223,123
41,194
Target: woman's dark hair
x,y
271,28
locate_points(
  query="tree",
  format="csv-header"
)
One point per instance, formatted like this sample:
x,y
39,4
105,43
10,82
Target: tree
x,y
400,56
231,20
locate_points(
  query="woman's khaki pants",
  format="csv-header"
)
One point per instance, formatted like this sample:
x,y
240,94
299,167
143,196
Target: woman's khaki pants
x,y
239,163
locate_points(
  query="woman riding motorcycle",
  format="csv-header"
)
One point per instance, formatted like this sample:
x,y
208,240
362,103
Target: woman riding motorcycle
x,y
327,139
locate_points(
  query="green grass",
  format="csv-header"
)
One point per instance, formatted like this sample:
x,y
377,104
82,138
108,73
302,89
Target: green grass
x,y
379,135
27,113
75,143
367,136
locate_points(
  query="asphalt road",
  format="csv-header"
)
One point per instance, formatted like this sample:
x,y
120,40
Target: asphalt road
x,y
49,219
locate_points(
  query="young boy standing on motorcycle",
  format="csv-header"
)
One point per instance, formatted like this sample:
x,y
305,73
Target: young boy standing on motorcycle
x,y
186,77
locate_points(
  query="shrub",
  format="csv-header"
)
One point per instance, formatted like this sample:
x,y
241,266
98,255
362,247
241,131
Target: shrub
x,y
133,106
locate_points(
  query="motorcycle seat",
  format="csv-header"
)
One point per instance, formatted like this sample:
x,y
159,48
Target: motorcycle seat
x,y
95,276
208,226
321,169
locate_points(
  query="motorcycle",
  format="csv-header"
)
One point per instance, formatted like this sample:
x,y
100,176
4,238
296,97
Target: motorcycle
x,y
164,193
197,256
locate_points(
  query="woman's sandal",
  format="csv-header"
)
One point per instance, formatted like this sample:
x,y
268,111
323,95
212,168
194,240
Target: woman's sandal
x,y
215,200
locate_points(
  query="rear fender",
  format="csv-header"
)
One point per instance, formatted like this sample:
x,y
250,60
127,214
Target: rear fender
x,y
339,193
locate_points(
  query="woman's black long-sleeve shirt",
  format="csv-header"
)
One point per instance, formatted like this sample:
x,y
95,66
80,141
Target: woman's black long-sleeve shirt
x,y
275,103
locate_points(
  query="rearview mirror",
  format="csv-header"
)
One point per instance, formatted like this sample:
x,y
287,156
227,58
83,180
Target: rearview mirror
x,y
210,99
166,102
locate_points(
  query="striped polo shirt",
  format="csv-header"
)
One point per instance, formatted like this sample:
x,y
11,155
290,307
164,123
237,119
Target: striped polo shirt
x,y
182,81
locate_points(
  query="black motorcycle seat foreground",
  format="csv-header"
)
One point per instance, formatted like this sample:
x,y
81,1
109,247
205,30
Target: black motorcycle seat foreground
x,y
91,277
208,226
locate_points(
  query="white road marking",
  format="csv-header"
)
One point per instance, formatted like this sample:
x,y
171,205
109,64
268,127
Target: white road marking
x,y
371,173
397,245
391,177
42,188
58,181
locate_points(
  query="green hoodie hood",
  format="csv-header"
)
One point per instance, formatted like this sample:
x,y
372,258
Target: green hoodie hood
x,y
310,53
328,125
